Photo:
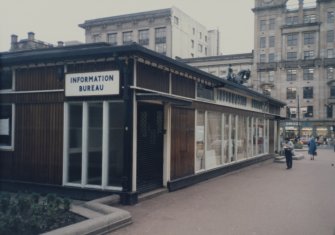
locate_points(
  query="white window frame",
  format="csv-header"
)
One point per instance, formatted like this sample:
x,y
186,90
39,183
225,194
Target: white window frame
x,y
105,150
10,147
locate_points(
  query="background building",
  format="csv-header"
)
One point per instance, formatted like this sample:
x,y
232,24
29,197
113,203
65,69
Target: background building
x,y
218,65
29,43
167,31
294,61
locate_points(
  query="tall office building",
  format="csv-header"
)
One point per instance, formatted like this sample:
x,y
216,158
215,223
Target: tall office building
x,y
294,60
167,31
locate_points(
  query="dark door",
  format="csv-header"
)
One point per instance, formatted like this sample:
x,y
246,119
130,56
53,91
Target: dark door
x,y
149,147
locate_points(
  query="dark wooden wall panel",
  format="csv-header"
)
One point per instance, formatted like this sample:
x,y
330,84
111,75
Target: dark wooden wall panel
x,y
271,137
39,78
152,78
182,142
91,67
38,153
182,86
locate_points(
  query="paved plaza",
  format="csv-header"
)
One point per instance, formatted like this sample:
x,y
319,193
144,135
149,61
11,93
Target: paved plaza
x,y
264,199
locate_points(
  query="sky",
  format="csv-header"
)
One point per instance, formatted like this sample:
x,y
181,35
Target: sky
x,y
58,20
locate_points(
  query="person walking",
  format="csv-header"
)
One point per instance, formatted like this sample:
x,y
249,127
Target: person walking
x,y
312,147
288,150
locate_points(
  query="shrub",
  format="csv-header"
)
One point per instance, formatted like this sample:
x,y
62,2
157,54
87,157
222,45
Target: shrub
x,y
32,214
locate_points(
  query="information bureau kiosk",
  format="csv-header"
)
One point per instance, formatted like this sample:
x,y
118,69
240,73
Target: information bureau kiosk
x,y
124,120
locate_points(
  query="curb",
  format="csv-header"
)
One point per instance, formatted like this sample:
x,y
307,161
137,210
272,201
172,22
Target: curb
x,y
102,218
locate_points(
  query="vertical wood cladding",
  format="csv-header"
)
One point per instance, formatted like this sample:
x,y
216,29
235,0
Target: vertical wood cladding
x,y
39,78
91,67
182,86
182,142
38,153
152,78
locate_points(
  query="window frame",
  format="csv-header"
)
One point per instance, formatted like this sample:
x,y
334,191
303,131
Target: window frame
x,y
126,36
11,130
308,92
291,93
292,39
309,38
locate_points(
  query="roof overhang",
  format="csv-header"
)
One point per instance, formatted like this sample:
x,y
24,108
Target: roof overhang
x,y
163,98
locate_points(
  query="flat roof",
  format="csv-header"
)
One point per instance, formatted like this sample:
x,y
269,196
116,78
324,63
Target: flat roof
x,y
90,51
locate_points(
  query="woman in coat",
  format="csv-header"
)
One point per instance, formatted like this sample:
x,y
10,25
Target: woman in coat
x,y
312,147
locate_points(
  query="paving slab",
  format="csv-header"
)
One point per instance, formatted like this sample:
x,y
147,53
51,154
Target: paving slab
x,y
263,199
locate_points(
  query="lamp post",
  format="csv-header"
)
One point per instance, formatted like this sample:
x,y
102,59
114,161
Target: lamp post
x,y
299,129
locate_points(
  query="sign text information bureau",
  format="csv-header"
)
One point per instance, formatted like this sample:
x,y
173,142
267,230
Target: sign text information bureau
x,y
92,84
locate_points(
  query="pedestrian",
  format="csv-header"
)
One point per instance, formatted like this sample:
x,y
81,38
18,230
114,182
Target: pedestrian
x,y
288,150
312,147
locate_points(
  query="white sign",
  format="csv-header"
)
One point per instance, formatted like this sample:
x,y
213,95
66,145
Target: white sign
x,y
4,126
92,84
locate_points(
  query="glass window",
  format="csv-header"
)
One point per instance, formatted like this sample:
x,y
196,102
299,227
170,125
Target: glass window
x,y
226,138
271,57
160,40
127,37
291,93
260,135
75,143
329,110
262,25
309,112
309,19
262,58
332,91
214,138
94,145
292,39
330,53
233,138
199,47
6,80
291,55
292,112
308,92
291,20
192,43
272,41
291,75
242,138
309,38
200,141
308,55
272,24
161,48
330,17
309,74
143,37
96,38
330,36
112,38
330,73
7,126
262,42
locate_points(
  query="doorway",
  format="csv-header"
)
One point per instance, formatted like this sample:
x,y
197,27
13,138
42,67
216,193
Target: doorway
x,y
150,119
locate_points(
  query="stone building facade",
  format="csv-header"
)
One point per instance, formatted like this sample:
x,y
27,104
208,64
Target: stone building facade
x,y
294,60
167,31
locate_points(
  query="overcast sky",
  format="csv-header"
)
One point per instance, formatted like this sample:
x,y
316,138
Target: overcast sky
x,y
57,20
